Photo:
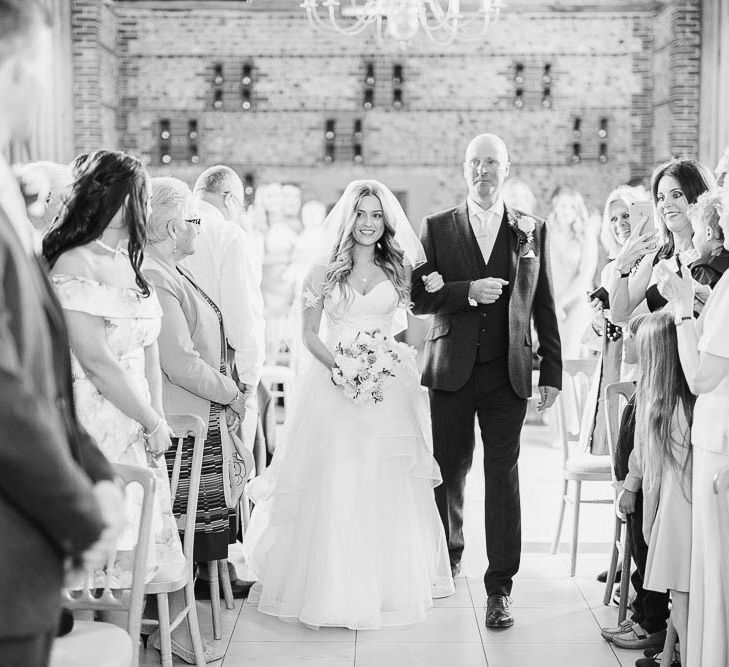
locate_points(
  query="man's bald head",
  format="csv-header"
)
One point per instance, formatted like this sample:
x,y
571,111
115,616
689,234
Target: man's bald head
x,y
221,187
485,168
59,179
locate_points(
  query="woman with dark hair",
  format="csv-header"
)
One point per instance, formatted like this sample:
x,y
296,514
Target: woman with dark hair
x,y
675,186
345,531
95,251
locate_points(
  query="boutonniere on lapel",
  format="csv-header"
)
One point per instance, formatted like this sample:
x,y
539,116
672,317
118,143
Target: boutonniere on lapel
x,y
524,227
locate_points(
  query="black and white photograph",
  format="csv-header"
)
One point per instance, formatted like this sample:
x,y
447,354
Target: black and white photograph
x,y
364,333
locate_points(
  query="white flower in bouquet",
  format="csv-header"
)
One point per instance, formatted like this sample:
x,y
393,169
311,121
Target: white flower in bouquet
x,y
348,366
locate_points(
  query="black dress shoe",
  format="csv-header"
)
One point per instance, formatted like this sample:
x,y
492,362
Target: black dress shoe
x,y
455,570
602,577
498,612
240,589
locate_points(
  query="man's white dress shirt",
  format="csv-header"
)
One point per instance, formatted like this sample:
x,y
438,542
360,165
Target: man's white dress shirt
x,y
225,267
485,223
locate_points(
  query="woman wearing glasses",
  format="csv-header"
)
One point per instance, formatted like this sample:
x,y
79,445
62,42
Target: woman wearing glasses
x,y
95,253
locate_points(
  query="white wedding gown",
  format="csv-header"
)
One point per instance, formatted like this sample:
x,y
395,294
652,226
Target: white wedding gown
x,y
345,530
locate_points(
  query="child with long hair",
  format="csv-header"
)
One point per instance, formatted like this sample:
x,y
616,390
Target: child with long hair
x,y
661,464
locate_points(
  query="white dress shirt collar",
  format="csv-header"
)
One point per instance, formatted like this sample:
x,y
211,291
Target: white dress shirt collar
x,y
475,210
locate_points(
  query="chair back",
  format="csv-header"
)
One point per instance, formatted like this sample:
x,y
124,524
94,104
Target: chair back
x,y
184,426
721,488
128,600
617,395
577,373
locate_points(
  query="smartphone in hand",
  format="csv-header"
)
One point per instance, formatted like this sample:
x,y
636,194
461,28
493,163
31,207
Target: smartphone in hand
x,y
601,294
639,210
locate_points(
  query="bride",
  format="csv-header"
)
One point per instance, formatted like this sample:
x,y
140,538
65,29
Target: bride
x,y
345,531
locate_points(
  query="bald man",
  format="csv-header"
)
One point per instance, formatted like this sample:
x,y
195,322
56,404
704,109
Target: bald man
x,y
478,354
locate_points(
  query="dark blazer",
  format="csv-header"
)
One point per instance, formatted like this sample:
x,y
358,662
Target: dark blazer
x,y
48,463
450,349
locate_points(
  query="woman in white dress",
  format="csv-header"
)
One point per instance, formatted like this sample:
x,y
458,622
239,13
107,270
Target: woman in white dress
x,y
345,531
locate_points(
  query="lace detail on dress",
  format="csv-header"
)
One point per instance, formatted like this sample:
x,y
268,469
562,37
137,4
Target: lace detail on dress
x,y
311,298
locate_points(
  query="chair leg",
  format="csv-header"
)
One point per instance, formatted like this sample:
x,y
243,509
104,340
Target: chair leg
x,y
562,504
575,527
624,579
193,623
613,563
669,644
225,581
215,599
165,636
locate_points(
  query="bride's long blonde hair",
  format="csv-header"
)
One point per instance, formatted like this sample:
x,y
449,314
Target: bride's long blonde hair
x,y
388,254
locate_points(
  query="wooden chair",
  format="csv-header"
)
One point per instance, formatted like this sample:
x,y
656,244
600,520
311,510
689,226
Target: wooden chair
x,y
577,467
100,643
279,381
169,582
721,488
614,394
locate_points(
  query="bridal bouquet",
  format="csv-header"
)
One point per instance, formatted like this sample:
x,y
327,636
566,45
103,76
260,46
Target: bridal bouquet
x,y
366,366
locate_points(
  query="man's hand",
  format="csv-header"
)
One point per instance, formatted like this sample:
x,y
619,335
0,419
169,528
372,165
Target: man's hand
x,y
111,504
486,290
547,397
626,502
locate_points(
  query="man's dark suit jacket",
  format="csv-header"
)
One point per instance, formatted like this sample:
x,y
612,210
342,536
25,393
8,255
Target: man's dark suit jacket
x,y
450,350
48,463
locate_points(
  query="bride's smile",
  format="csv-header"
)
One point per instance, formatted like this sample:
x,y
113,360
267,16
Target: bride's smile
x,y
369,222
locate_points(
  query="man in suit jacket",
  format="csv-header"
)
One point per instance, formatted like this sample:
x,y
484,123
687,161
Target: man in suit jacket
x,y
478,354
56,495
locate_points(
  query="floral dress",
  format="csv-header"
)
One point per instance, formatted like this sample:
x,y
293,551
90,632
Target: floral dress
x,y
131,322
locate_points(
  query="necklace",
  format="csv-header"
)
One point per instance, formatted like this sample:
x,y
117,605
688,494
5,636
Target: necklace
x,y
108,248
363,278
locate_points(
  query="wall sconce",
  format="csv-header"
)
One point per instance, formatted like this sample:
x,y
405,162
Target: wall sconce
x,y
370,75
547,97
329,137
218,75
576,153
577,128
165,141
603,131
357,134
369,99
519,74
218,99
519,98
357,153
192,145
603,156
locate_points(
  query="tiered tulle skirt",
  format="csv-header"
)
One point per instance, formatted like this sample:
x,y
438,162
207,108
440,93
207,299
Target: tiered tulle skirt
x,y
345,531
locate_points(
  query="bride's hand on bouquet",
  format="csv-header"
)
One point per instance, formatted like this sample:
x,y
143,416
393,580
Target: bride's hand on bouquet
x,y
433,282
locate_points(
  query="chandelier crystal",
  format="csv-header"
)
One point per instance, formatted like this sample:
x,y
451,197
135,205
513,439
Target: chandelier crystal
x,y
442,21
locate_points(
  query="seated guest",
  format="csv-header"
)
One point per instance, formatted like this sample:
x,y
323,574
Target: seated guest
x,y
708,239
647,626
57,497
193,360
95,252
704,351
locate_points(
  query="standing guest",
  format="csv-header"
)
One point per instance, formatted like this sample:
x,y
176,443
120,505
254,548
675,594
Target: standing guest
x,y
228,270
646,629
674,187
704,351
574,250
95,252
605,334
495,261
57,497
193,358
57,180
708,239
519,195
660,464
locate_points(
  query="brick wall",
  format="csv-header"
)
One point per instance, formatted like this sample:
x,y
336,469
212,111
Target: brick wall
x,y
627,66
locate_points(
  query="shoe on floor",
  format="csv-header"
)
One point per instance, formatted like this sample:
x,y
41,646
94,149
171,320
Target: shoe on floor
x,y
656,661
636,638
455,570
609,633
498,612
240,589
602,577
210,653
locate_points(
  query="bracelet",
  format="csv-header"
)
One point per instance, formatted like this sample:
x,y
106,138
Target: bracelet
x,y
683,319
149,434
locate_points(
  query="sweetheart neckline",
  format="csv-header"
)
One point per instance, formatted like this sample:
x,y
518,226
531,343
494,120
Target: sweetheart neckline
x,y
372,289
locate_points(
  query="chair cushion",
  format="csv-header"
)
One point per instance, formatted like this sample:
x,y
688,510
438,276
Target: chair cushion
x,y
92,644
588,463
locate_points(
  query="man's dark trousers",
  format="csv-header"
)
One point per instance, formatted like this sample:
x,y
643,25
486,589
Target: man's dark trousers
x,y
487,394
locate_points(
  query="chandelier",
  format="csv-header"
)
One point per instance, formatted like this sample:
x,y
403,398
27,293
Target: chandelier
x,y
442,21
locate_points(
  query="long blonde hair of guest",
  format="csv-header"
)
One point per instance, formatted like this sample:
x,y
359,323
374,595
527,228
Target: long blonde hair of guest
x,y
388,254
661,392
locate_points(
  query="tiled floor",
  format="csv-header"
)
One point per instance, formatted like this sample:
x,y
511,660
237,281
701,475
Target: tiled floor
x,y
557,617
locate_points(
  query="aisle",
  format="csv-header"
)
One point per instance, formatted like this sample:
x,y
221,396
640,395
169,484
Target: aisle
x,y
557,618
